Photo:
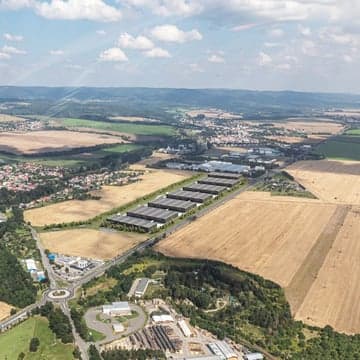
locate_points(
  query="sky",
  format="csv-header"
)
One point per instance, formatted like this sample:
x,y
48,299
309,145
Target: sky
x,y
306,45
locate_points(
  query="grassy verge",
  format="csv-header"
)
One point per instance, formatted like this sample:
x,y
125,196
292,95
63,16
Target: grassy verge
x,y
17,340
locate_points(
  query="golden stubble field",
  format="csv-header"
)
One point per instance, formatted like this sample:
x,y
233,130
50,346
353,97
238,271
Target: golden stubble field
x,y
51,141
4,310
309,247
90,243
312,127
255,232
331,181
111,197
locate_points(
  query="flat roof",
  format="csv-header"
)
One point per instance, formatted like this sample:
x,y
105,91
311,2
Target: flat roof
x,y
190,195
152,213
142,285
172,204
220,182
134,221
210,189
224,175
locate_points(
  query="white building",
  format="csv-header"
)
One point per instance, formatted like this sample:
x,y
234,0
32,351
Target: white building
x,y
117,309
118,328
254,356
141,287
30,265
80,264
162,318
184,328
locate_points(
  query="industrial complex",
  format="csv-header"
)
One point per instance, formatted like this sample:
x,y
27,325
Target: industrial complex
x,y
164,209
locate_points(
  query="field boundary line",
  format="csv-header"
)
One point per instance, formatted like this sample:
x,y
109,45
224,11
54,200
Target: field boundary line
x,y
300,284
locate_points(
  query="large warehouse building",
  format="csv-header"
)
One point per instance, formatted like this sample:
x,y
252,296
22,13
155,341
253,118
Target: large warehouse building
x,y
222,175
219,182
142,224
204,188
194,196
172,204
150,213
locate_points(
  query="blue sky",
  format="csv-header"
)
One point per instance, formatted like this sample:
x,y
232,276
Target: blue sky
x,y
310,45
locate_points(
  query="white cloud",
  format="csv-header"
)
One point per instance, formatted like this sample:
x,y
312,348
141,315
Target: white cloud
x,y
264,59
309,48
96,10
56,52
4,56
244,27
140,42
272,44
348,58
304,31
169,7
284,66
113,54
171,33
101,32
196,68
216,58
276,33
12,37
11,50
157,53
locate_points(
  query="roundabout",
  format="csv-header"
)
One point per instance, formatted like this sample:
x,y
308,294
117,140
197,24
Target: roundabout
x,y
59,294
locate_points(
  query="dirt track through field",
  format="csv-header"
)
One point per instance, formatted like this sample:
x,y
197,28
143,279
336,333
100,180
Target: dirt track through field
x,y
303,279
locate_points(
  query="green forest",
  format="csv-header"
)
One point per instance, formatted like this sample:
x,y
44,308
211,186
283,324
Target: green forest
x,y
254,312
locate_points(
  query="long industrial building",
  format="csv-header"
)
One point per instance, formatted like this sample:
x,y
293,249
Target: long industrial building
x,y
219,182
172,204
208,189
150,213
223,175
142,224
193,196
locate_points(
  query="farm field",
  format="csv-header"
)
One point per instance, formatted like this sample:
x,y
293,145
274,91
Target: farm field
x,y
258,233
332,181
51,141
111,197
4,310
134,119
334,296
312,127
17,340
341,147
125,128
355,132
90,243
10,118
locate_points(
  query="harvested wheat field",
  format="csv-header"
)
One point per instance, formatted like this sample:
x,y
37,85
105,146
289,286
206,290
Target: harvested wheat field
x,y
333,298
255,232
4,310
111,197
134,119
10,118
329,180
312,127
90,243
51,141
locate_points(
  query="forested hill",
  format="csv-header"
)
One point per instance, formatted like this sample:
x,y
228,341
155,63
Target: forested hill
x,y
233,100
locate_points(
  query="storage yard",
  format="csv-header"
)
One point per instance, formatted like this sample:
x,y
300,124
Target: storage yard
x,y
90,243
110,197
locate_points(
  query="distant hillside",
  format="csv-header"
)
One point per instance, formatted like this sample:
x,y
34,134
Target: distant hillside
x,y
134,101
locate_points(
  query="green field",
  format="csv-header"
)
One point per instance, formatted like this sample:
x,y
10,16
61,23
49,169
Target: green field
x,y
354,132
119,149
16,340
341,147
136,129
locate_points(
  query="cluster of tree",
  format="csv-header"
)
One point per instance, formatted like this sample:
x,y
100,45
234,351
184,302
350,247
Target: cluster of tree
x,y
34,344
16,285
132,355
58,322
79,323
